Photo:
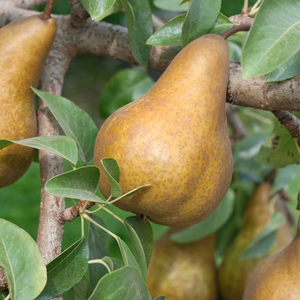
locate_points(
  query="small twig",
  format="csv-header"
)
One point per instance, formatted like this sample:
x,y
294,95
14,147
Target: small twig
x,y
281,205
238,129
73,212
78,15
290,122
235,29
241,18
271,176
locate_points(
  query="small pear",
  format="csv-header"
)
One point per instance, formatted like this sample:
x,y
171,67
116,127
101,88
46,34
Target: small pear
x,y
183,271
24,47
278,276
234,272
175,139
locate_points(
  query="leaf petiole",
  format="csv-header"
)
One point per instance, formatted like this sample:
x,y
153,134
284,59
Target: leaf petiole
x,y
100,261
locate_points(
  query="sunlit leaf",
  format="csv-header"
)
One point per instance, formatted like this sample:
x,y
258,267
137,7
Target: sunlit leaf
x,y
78,184
62,146
21,262
273,38
76,123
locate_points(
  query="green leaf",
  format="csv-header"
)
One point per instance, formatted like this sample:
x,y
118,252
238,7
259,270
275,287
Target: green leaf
x,y
142,238
262,243
60,145
280,149
21,261
127,256
284,176
76,123
113,263
160,298
124,87
134,191
112,171
169,34
139,20
66,270
221,25
200,18
123,284
99,9
78,184
273,38
171,5
289,69
210,225
80,291
98,248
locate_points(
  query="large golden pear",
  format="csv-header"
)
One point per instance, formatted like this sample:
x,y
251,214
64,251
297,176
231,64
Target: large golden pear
x,y
183,271
234,271
24,47
175,138
278,276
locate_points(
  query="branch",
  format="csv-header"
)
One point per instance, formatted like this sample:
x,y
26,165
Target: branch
x,y
290,122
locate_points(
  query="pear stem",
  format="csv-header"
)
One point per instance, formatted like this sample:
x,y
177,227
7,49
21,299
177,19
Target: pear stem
x,y
48,10
235,29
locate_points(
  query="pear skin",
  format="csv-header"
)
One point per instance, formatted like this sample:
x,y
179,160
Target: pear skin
x,y
183,271
175,138
24,47
234,272
278,276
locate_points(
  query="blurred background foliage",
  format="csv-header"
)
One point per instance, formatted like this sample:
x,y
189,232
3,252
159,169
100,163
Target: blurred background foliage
x,y
87,83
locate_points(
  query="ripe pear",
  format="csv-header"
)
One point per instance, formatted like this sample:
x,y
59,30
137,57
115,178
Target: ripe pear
x,y
24,47
278,276
183,271
234,272
175,139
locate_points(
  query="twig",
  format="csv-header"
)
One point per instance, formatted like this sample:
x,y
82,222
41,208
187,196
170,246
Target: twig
x,y
235,29
238,129
290,122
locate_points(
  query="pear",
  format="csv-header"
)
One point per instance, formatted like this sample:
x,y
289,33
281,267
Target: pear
x,y
183,271
175,139
24,47
278,276
234,272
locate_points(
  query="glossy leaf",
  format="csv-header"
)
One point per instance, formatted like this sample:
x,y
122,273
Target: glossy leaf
x,y
273,38
66,270
171,5
98,248
142,238
280,149
60,145
112,171
262,243
123,284
80,291
200,18
78,184
76,123
289,69
221,25
139,20
284,176
169,34
99,9
124,87
21,261
209,225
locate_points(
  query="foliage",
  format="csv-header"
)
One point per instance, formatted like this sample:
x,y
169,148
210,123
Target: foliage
x,y
96,273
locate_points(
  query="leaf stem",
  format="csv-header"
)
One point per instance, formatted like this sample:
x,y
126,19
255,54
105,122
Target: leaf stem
x,y
245,7
98,225
48,10
82,226
7,297
100,261
235,29
114,215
